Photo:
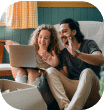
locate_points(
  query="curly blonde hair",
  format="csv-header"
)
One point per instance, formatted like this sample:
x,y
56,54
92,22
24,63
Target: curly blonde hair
x,y
54,41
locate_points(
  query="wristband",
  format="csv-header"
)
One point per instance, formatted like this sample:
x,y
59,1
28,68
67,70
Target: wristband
x,y
58,66
77,53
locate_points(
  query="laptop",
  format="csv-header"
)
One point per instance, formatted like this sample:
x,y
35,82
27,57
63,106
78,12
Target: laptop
x,y
22,56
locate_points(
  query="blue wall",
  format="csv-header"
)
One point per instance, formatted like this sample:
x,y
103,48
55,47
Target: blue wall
x,y
49,16
55,15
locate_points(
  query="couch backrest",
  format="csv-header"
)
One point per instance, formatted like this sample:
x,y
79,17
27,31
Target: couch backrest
x,y
91,30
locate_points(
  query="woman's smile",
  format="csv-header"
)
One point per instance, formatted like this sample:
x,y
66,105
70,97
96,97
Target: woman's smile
x,y
44,39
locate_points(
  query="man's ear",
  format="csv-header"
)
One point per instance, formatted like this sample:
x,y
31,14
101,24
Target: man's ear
x,y
74,32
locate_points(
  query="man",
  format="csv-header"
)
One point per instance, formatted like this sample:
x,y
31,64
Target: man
x,y
78,86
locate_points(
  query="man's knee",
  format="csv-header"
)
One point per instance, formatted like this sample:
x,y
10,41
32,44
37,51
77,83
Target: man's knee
x,y
87,70
51,70
88,73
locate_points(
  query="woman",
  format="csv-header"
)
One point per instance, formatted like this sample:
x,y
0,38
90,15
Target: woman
x,y
45,39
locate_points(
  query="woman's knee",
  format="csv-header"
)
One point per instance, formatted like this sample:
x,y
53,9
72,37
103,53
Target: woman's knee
x,y
34,73
21,72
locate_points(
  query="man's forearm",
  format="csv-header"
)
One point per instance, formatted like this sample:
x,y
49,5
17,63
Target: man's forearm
x,y
94,59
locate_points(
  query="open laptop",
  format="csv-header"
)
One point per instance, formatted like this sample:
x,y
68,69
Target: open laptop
x,y
22,56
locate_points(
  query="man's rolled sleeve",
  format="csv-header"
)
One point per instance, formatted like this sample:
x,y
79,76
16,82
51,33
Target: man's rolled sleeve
x,y
92,45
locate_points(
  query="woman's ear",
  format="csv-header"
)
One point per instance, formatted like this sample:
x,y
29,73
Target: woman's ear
x,y
74,32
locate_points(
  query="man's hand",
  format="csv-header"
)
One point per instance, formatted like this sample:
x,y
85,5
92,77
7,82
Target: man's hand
x,y
70,46
50,59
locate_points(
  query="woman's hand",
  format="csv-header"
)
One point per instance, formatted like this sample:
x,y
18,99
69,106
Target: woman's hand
x,y
50,59
9,42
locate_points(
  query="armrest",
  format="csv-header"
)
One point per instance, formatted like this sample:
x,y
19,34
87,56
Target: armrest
x,y
5,67
1,49
5,70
